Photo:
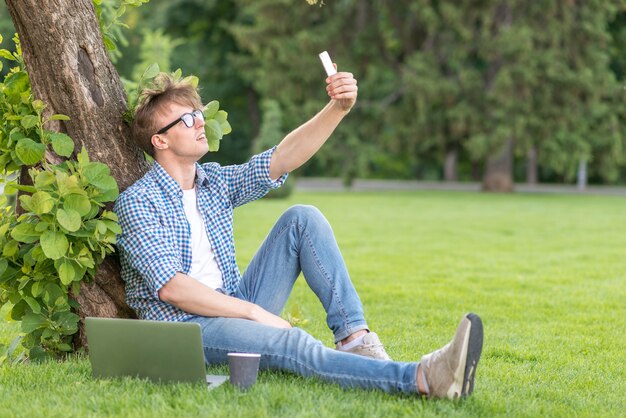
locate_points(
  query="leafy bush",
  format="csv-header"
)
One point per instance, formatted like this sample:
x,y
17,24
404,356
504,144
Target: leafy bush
x,y
62,233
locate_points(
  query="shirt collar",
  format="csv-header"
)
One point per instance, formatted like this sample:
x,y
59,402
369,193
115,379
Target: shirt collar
x,y
171,186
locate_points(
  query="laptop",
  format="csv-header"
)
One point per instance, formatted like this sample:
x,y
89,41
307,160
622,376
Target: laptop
x,y
158,350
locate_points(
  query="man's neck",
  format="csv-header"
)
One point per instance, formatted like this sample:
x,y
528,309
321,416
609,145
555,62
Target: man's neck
x,y
183,173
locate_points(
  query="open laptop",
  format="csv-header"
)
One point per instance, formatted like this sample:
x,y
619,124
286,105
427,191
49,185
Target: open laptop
x,y
158,350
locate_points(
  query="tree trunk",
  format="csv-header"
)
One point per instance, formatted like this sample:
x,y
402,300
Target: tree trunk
x,y
254,113
581,175
450,172
476,171
531,166
71,72
498,177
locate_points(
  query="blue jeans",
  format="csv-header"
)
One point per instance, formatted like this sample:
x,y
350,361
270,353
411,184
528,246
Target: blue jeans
x,y
302,241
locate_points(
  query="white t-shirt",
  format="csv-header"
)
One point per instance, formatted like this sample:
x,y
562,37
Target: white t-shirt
x,y
204,267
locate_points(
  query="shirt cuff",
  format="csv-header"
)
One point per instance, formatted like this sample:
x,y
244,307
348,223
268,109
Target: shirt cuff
x,y
263,165
160,271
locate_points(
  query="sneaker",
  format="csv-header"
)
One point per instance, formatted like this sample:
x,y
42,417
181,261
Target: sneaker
x,y
449,372
371,347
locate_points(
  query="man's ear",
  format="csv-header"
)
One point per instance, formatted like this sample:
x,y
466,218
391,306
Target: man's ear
x,y
158,142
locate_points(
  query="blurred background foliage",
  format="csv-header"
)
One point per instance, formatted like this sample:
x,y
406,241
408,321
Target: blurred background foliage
x,y
443,85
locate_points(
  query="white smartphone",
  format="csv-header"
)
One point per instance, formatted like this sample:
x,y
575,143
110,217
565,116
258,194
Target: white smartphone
x,y
327,63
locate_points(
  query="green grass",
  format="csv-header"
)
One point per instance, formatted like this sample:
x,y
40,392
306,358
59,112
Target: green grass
x,y
547,273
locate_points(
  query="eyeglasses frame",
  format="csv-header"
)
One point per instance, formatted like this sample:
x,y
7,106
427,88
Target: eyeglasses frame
x,y
195,114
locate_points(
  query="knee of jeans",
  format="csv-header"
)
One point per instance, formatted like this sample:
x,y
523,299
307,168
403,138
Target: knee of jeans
x,y
306,215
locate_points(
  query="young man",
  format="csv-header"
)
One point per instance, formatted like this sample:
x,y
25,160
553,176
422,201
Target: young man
x,y
178,255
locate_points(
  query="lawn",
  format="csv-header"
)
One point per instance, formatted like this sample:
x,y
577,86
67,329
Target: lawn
x,y
547,273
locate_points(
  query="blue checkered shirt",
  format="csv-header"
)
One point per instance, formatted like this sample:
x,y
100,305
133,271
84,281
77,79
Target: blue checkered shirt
x,y
155,241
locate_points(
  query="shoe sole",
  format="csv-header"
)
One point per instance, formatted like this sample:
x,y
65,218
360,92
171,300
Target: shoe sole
x,y
474,349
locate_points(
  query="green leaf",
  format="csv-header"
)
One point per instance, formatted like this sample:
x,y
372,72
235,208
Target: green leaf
x,y
69,219
226,128
29,151
191,80
59,116
37,288
54,244
106,184
211,108
34,305
4,228
110,215
76,289
5,53
82,157
18,310
113,226
62,144
107,195
213,129
68,184
25,232
43,179
78,203
11,187
221,116
32,322
29,121
86,262
64,347
4,263
120,11
10,248
101,227
14,85
67,320
38,105
151,72
66,272
41,202
214,144
52,293
98,174
108,43
42,226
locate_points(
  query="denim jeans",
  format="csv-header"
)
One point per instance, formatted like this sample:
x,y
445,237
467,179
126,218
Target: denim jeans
x,y
302,241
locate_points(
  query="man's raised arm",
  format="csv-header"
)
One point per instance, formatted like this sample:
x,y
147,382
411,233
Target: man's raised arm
x,y
300,145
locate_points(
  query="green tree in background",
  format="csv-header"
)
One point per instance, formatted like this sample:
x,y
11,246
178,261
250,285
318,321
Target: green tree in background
x,y
448,90
488,83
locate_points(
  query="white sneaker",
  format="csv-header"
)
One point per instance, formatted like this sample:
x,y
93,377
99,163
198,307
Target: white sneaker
x,y
371,347
449,372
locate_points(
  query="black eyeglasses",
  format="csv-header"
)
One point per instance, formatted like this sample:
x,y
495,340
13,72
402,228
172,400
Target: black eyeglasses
x,y
187,118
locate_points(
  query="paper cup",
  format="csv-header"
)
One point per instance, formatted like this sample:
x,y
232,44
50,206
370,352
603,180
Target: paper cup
x,y
244,368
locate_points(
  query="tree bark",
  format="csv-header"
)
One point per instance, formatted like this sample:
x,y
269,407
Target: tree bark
x,y
531,166
498,177
581,175
450,171
71,72
499,167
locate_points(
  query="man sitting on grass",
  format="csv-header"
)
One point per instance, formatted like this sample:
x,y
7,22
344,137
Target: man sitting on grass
x,y
178,255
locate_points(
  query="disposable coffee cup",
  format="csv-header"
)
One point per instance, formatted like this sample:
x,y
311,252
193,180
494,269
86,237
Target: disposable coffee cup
x,y
244,368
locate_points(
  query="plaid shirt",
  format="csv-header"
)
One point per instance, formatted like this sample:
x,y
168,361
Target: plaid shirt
x,y
155,241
